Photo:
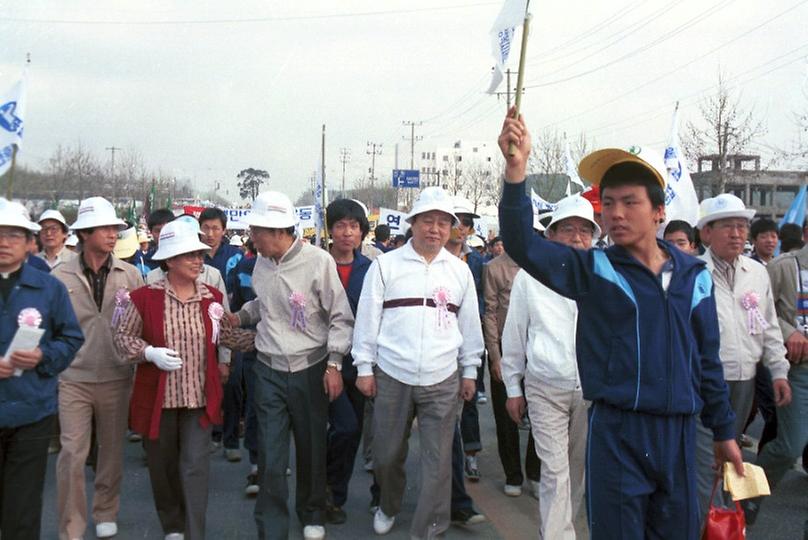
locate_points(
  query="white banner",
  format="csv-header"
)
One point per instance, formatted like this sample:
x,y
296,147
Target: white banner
x,y
393,219
502,37
12,114
681,201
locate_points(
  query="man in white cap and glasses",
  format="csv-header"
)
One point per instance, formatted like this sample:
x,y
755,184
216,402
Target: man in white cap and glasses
x,y
96,386
304,324
28,378
750,333
647,342
540,373
53,236
417,347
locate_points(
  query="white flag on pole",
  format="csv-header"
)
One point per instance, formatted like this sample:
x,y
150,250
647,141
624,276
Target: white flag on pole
x,y
540,206
510,17
681,201
319,209
572,170
12,114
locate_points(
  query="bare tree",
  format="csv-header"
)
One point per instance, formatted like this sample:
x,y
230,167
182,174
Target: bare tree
x,y
724,129
547,154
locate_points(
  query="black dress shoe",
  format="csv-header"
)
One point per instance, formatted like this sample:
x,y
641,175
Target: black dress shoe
x,y
335,515
467,516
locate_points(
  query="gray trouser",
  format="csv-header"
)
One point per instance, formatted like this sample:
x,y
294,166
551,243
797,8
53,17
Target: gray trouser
x,y
741,397
436,408
285,401
179,463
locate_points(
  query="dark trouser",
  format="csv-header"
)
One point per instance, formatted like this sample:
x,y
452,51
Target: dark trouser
x,y
290,401
460,498
233,402
481,374
248,361
640,474
470,426
508,441
179,464
23,461
345,418
764,402
435,406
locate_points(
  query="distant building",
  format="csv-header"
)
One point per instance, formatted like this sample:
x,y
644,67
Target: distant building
x,y
440,165
769,192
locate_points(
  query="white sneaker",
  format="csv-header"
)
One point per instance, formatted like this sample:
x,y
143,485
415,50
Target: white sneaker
x,y
313,532
175,536
106,529
512,491
382,523
534,489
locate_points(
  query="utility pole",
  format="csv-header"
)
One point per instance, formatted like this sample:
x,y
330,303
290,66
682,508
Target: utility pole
x,y
508,89
344,157
113,149
413,139
373,150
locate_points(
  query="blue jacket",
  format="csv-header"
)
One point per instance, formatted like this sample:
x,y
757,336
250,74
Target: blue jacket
x,y
353,291
32,396
144,262
239,283
225,260
38,263
639,348
476,263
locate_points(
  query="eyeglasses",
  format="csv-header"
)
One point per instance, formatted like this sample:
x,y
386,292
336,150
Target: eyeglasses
x,y
572,229
13,235
50,229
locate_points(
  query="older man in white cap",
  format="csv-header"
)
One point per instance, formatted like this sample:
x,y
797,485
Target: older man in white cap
x,y
304,324
28,376
747,318
96,386
538,352
52,236
417,345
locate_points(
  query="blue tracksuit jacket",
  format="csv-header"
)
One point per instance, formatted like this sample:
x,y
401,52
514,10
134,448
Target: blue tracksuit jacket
x,y
639,347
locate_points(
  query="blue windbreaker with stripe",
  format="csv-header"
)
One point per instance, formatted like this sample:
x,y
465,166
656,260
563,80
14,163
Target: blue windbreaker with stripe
x,y
639,347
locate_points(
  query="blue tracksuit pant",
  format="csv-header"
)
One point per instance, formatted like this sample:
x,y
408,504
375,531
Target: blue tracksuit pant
x,y
641,476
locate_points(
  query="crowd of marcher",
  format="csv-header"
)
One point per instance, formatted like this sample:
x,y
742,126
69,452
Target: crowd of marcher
x,y
634,364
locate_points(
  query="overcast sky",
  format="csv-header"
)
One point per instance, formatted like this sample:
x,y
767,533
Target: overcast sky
x,y
203,90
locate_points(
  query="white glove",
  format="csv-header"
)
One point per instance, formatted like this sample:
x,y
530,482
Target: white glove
x,y
163,358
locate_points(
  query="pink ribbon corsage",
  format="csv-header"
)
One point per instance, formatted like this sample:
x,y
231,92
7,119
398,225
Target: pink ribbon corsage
x,y
754,318
30,317
297,301
441,298
216,312
121,303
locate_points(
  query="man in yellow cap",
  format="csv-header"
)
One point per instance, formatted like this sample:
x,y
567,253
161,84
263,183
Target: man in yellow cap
x,y
646,343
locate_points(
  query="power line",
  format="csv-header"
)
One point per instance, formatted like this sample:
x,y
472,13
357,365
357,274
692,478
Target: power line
x,y
246,20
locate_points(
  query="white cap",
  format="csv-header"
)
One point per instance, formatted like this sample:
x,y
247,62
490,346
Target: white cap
x,y
97,212
54,215
594,165
463,206
178,237
127,244
142,237
475,241
72,240
723,206
271,210
364,207
13,214
433,198
575,206
191,221
236,241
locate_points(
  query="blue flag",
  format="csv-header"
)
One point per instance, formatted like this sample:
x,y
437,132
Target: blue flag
x,y
796,212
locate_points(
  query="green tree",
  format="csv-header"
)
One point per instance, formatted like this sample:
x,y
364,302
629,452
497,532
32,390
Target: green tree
x,y
250,181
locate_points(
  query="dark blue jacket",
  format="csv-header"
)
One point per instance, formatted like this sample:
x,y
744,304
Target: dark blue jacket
x,y
353,291
240,283
476,263
225,260
639,348
38,263
32,396
144,262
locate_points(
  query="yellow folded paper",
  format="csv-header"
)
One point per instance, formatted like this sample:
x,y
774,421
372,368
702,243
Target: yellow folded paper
x,y
752,484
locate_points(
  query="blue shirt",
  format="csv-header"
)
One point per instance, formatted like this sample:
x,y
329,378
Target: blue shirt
x,y
33,395
225,261
38,263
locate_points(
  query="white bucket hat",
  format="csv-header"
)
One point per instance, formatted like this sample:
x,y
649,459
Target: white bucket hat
x,y
593,166
176,238
723,206
54,215
72,240
127,243
463,206
271,210
475,241
97,212
433,198
13,214
236,241
575,206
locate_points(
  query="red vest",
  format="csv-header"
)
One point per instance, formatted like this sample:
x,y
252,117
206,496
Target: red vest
x,y
148,392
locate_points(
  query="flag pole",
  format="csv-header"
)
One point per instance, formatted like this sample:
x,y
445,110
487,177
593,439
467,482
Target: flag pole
x,y
10,184
323,194
520,78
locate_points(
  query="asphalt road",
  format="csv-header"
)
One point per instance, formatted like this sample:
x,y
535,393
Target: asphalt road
x,y
230,513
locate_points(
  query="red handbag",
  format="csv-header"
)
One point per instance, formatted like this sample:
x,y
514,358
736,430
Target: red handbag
x,y
724,523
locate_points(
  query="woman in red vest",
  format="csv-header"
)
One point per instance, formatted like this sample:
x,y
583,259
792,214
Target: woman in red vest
x,y
171,329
